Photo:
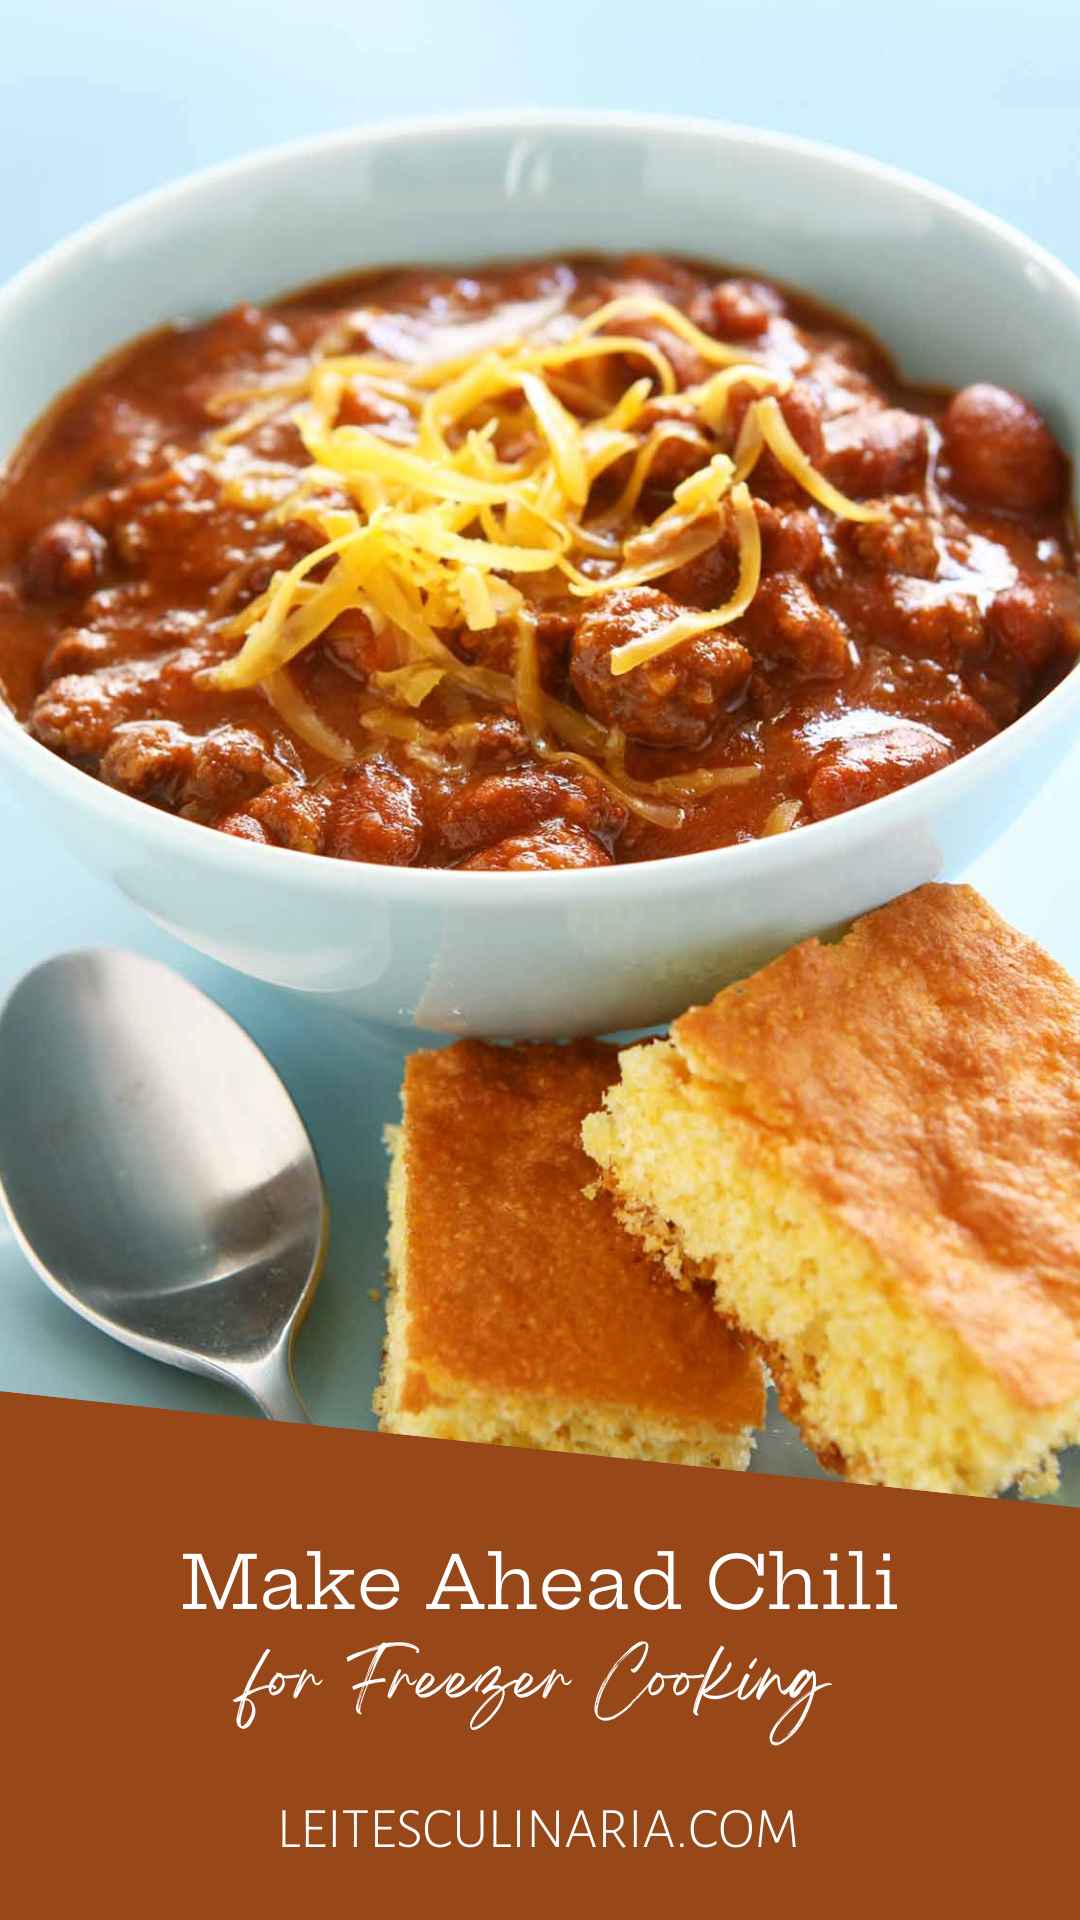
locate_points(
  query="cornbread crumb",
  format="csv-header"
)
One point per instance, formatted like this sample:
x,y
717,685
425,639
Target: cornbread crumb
x,y
872,1149
519,1312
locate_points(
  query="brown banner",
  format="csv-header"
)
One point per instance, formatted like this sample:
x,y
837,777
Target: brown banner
x,y
905,1741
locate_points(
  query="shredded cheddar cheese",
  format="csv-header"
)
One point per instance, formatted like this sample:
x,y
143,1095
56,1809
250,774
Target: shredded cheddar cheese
x,y
432,535
778,437
689,626
287,700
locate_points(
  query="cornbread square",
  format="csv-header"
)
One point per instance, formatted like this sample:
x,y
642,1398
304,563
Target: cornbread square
x,y
872,1149
520,1313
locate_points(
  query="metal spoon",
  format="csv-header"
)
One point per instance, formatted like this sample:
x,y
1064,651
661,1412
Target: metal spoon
x,y
156,1172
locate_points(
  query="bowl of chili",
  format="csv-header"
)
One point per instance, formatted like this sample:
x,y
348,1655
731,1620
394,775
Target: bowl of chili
x,y
526,638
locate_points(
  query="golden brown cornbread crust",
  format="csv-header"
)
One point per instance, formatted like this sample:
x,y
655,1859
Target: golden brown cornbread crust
x,y
663,1242
923,1076
519,1284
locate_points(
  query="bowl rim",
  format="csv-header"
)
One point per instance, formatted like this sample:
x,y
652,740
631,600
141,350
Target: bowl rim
x,y
842,835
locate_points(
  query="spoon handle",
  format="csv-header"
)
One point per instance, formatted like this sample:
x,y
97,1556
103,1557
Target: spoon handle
x,y
274,1391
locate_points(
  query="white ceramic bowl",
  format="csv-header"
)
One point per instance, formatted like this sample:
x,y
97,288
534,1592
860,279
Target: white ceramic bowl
x,y
954,293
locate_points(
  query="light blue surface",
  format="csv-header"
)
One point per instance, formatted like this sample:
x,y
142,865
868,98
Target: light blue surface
x,y
99,103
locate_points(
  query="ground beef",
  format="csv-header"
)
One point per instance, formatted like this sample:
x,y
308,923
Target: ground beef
x,y
504,806
289,815
555,845
374,814
787,622
931,620
78,650
790,539
674,700
875,450
907,541
150,759
202,776
232,764
77,713
803,410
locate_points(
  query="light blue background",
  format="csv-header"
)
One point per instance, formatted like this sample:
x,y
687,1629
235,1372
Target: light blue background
x,y
100,102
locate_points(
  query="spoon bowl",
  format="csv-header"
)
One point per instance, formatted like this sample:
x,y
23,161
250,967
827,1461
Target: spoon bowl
x,y
156,1173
